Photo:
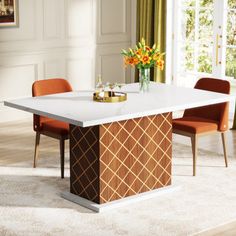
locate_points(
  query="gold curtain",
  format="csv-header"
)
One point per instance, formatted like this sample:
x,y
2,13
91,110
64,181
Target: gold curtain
x,y
151,25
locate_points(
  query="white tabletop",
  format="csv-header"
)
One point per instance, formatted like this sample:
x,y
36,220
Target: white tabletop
x,y
78,107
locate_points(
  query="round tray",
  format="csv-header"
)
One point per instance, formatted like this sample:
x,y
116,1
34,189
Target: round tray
x,y
109,96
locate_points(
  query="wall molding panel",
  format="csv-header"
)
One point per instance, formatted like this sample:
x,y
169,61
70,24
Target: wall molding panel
x,y
119,15
80,17
52,19
79,73
72,39
13,87
118,73
114,21
54,68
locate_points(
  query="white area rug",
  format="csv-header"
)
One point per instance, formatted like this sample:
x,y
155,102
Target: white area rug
x,y
30,201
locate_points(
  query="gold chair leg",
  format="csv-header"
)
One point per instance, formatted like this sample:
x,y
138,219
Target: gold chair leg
x,y
224,148
36,149
62,156
194,150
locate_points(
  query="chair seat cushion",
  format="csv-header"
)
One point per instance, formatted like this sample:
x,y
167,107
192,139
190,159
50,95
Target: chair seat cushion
x,y
55,126
195,125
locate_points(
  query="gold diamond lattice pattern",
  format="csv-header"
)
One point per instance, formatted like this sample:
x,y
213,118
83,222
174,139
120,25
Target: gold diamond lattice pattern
x,y
84,162
135,156
120,159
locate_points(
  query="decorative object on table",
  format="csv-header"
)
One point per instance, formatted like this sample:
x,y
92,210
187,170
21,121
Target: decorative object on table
x,y
99,87
9,13
144,58
110,96
106,93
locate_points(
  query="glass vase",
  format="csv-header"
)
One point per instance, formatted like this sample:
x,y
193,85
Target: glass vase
x,y
144,80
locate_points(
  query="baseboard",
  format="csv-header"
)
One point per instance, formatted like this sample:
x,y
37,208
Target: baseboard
x,y
118,203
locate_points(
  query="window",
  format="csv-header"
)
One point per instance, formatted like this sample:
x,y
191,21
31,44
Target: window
x,y
204,40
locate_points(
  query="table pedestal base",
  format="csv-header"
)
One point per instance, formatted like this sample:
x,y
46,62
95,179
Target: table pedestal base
x,y
118,203
121,159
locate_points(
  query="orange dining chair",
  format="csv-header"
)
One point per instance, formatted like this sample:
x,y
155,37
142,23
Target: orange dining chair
x,y
203,120
47,126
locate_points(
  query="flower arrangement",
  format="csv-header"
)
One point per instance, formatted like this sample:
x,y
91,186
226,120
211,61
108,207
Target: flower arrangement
x,y
143,56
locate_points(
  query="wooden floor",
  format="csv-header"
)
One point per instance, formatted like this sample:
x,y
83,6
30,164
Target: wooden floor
x,y
17,147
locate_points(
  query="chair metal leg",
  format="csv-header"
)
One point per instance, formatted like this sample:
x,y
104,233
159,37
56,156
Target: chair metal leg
x,y
62,156
194,150
224,148
36,149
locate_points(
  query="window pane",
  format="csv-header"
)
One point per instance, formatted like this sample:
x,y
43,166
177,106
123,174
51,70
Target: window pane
x,y
231,28
231,4
188,24
187,57
188,3
206,3
205,25
231,62
205,58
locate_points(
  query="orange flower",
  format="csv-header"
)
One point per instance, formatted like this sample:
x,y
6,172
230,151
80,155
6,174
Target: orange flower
x,y
133,61
145,59
136,61
148,49
160,64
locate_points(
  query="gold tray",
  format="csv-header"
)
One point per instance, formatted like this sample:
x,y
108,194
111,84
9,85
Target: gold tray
x,y
110,96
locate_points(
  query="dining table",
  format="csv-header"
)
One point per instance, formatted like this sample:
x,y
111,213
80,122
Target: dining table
x,y
119,152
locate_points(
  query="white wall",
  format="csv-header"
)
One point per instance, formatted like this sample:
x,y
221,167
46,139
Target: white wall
x,y
73,39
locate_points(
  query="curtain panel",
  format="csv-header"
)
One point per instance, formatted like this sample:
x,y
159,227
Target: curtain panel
x,y
151,25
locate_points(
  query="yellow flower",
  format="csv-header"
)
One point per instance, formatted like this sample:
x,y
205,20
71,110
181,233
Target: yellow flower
x,y
131,50
156,56
143,41
145,59
139,52
160,64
